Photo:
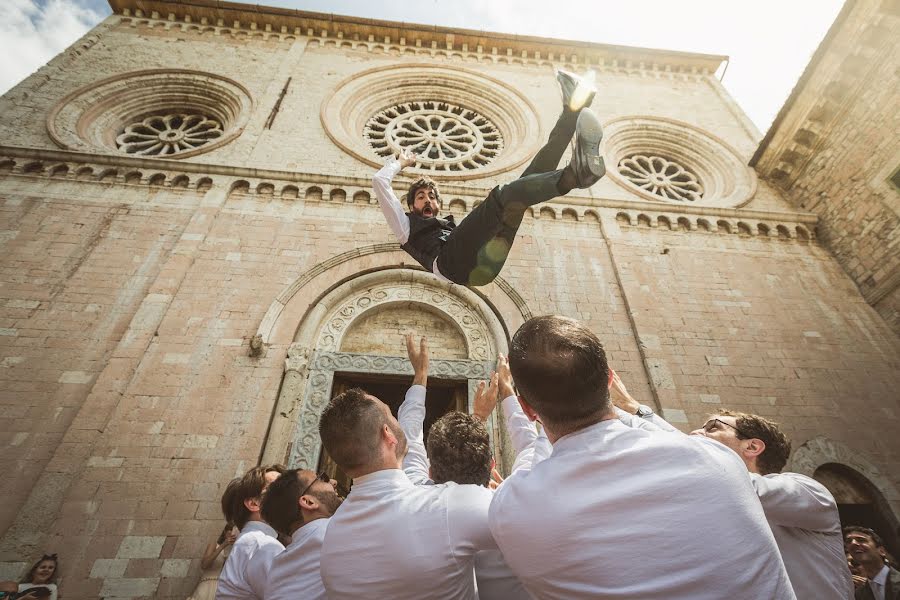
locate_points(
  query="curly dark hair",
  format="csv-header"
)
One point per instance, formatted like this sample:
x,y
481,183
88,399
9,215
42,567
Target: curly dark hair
x,y
418,184
778,447
459,450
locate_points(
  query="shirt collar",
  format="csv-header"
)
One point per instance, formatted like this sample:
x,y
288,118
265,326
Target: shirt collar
x,y
380,479
307,531
259,526
593,433
881,578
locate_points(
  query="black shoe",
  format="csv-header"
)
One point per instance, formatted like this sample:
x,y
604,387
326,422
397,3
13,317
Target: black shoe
x,y
587,164
574,99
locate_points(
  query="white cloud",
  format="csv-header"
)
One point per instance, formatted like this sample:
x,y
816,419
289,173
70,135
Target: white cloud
x,y
31,34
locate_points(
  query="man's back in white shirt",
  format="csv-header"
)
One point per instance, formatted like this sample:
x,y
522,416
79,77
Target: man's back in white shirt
x,y
294,573
246,569
627,513
393,539
805,521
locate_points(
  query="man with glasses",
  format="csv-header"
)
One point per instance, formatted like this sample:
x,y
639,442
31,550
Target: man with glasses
x,y
299,505
802,513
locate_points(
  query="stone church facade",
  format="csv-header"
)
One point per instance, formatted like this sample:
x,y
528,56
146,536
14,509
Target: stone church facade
x,y
194,263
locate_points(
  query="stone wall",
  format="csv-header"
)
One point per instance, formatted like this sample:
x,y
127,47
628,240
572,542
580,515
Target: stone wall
x,y
835,146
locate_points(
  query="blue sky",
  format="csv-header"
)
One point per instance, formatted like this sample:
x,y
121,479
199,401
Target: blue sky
x,y
769,41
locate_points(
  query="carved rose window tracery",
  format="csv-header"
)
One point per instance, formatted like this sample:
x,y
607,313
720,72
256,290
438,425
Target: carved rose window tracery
x,y
445,136
164,135
661,177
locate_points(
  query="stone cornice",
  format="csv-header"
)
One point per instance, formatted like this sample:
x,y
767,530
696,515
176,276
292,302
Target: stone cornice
x,y
38,161
264,18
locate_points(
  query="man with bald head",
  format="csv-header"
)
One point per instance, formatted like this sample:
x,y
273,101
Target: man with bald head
x,y
298,506
391,538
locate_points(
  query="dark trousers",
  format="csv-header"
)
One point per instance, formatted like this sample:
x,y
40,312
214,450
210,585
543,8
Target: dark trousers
x,y
476,250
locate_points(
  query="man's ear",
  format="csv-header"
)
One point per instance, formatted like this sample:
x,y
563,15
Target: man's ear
x,y
253,504
526,408
609,377
388,435
753,447
308,502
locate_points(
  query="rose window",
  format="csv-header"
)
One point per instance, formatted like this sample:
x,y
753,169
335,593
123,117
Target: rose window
x,y
661,177
168,134
446,137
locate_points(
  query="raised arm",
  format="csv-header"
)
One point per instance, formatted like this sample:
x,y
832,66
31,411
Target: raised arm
x,y
390,205
411,415
627,407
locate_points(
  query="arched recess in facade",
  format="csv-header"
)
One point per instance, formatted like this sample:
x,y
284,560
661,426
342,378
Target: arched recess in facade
x,y
821,452
310,318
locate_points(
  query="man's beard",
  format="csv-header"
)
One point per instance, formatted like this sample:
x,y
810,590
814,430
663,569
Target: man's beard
x,y
402,445
330,501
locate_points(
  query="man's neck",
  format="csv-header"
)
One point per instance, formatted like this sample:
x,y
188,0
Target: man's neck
x,y
872,569
383,465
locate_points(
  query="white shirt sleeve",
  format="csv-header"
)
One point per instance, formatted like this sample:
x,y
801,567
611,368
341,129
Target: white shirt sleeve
x,y
467,519
257,573
794,500
388,201
411,417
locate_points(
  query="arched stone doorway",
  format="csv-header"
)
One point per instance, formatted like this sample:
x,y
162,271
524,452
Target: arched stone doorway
x,y
864,496
353,334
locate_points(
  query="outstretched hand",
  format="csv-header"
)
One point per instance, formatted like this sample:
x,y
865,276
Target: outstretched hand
x,y
407,158
505,386
620,396
485,398
417,358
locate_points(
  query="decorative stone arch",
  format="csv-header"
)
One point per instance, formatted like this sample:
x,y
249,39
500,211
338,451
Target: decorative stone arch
x,y
348,293
820,451
316,353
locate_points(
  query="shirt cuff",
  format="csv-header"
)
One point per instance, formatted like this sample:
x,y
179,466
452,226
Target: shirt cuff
x,y
393,166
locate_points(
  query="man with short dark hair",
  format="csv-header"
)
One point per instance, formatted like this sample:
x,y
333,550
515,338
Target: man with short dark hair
x,y
868,551
391,538
801,511
299,505
459,451
473,253
617,511
245,571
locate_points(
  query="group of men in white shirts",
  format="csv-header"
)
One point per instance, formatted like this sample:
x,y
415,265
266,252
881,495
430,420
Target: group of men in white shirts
x,y
604,499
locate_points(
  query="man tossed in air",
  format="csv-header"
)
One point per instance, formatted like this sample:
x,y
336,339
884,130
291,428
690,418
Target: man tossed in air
x,y
473,252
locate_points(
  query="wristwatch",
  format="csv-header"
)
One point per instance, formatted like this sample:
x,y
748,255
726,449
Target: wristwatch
x,y
644,411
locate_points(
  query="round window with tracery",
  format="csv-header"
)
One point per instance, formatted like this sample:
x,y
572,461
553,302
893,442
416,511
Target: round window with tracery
x,y
446,137
661,177
165,135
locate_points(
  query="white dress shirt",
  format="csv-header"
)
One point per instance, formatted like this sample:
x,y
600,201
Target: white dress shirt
x,y
804,518
627,513
390,205
294,573
805,522
393,539
878,583
246,569
493,577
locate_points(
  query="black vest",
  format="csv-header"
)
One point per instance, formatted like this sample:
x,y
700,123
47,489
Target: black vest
x,y
426,237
